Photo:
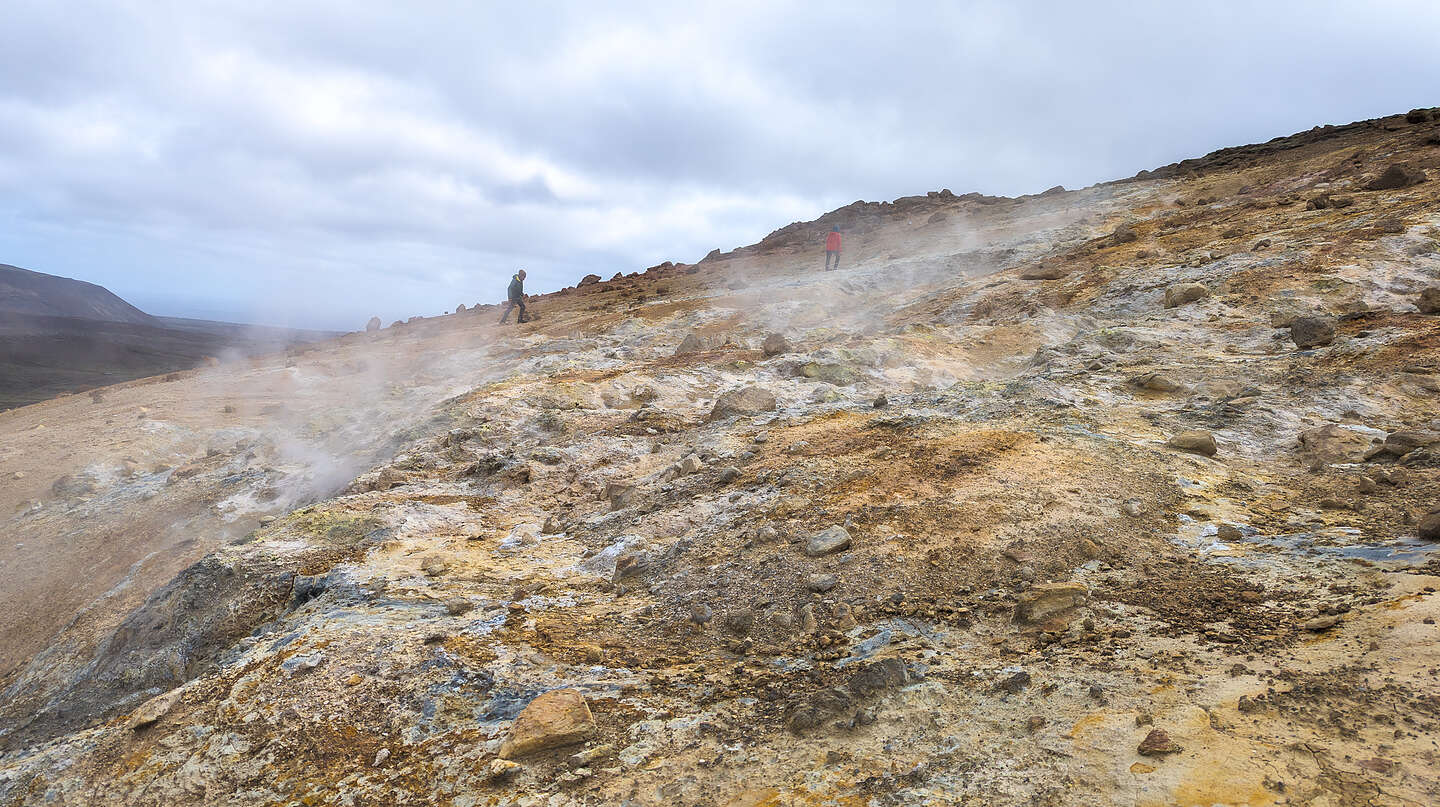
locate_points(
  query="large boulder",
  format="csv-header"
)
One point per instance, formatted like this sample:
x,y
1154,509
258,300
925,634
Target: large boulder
x,y
743,401
1429,302
588,280
556,718
1397,176
1046,600
1195,442
1124,234
1312,331
372,325
1182,293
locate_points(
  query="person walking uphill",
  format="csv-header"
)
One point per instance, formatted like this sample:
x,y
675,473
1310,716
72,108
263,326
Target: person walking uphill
x,y
832,248
516,294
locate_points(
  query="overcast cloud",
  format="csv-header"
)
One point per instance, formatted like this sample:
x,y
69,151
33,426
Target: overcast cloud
x,y
314,163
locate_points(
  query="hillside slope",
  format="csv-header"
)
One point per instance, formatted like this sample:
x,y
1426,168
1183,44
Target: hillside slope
x,y
1112,496
59,335
37,294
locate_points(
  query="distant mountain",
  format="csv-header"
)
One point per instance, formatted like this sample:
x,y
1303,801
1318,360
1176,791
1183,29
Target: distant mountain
x,y
37,294
60,336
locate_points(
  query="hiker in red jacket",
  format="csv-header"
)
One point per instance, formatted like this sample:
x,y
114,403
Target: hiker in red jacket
x,y
832,247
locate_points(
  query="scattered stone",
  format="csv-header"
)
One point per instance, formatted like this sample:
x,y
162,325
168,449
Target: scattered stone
x,y
152,710
1397,176
1124,234
775,344
458,606
1429,527
880,402
700,613
1014,683
1321,623
828,541
1195,442
691,464
1333,443
820,583
1045,272
589,755
556,718
500,768
1400,443
593,653
1247,704
1312,331
1041,602
746,401
1182,293
729,474
692,343
1156,382
1429,302
1228,532
380,757
1262,244
1157,743
1132,508
434,565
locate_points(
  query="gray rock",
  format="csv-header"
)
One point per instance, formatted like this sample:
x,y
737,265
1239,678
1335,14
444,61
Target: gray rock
x,y
820,583
692,343
828,541
729,474
373,325
1182,293
775,344
743,401
1429,302
1312,331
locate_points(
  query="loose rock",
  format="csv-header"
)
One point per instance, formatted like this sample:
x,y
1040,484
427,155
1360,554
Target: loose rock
x,y
1195,442
828,541
555,718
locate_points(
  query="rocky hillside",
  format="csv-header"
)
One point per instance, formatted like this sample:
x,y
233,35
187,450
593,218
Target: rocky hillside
x,y
1112,496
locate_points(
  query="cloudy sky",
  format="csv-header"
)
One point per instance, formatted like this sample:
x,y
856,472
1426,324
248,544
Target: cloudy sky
x,y
314,163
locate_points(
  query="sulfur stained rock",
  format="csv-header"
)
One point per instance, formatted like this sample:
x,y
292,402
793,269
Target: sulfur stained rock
x,y
556,718
152,710
1195,442
1182,293
1157,743
1046,600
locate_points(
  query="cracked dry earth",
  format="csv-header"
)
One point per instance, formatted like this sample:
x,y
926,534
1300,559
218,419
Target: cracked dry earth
x,y
978,519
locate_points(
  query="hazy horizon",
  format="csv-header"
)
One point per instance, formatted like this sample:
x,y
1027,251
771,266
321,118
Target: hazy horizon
x,y
314,166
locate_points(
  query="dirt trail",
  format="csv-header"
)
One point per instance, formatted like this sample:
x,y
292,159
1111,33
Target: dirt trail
x,y
1024,510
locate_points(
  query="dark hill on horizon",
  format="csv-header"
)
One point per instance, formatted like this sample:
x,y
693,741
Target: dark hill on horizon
x,y
59,336
36,293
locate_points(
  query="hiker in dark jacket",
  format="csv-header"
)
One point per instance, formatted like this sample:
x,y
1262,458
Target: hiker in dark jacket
x,y
516,297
